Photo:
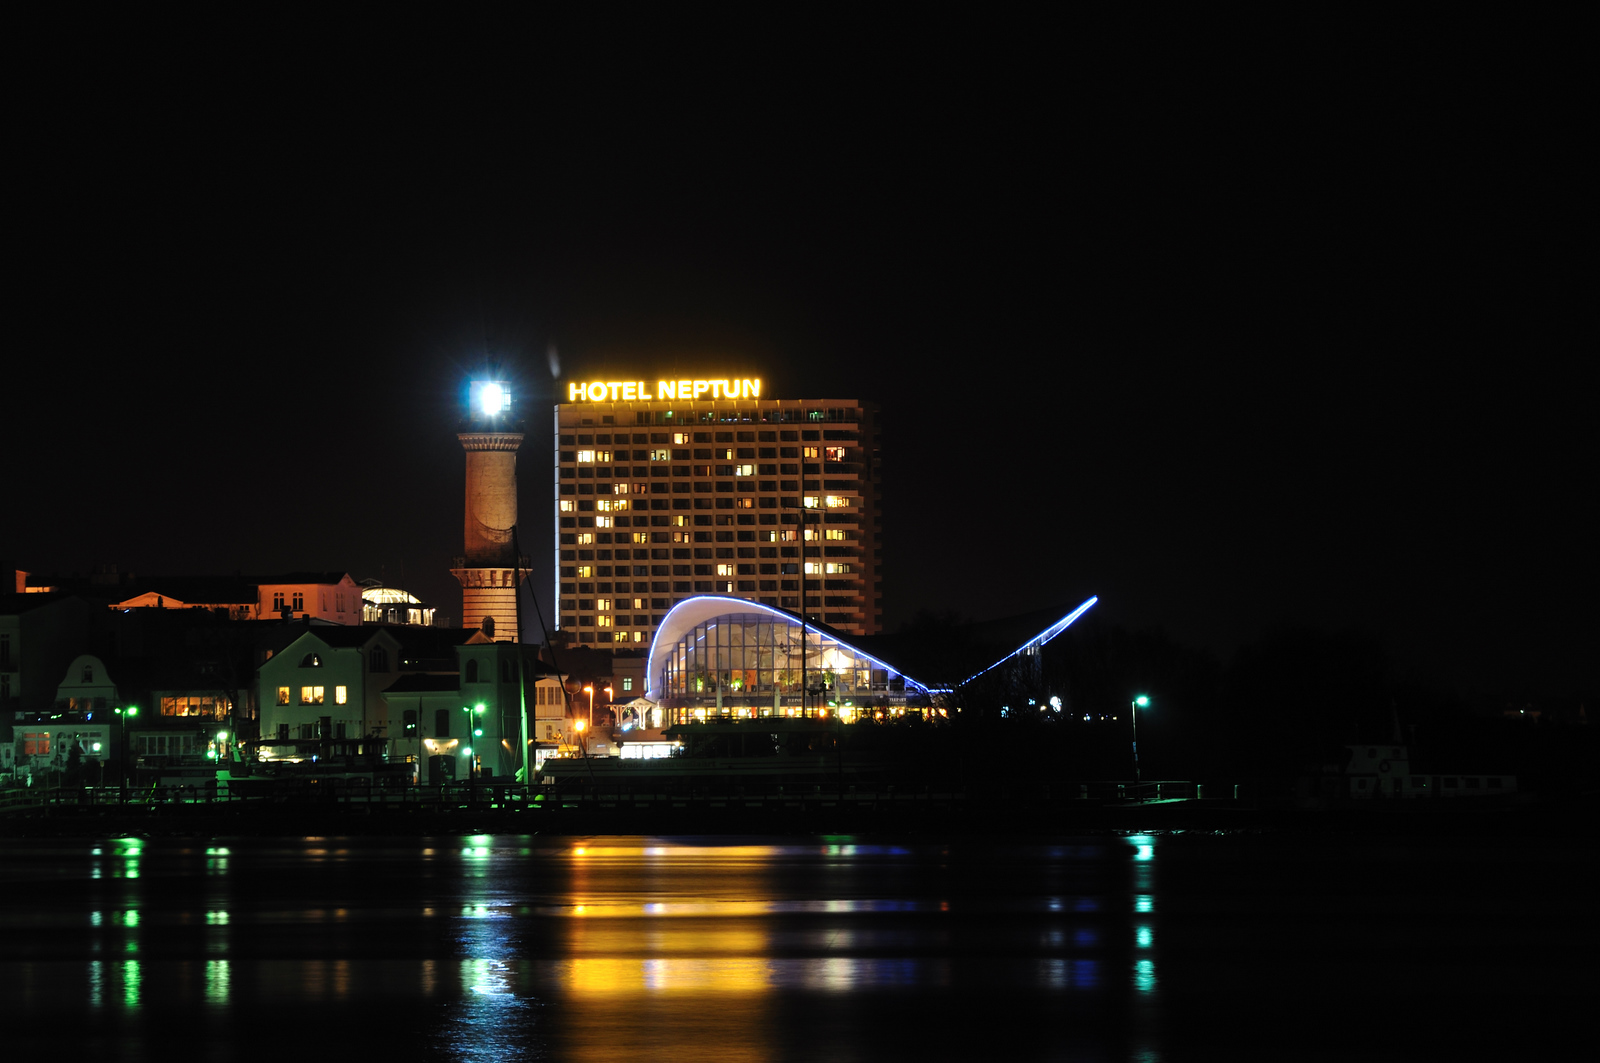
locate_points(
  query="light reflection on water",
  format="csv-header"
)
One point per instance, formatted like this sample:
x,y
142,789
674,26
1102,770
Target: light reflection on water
x,y
503,948
514,947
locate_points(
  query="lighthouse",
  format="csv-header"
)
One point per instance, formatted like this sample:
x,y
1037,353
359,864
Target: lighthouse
x,y
489,570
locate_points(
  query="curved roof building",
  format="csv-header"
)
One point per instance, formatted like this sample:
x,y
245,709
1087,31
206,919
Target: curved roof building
x,y
716,654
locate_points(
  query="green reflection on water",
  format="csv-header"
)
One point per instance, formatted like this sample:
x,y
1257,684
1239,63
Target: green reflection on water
x,y
217,975
130,983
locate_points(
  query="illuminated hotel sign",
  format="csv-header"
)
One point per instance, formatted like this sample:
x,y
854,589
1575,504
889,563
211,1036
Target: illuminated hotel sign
x,y
638,390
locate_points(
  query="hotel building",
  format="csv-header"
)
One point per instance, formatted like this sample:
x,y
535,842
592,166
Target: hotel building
x,y
670,489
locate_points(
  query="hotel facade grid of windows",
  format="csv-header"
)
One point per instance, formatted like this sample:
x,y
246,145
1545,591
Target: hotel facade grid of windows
x,y
658,501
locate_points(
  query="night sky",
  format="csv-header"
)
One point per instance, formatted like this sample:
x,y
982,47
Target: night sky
x,y
1258,326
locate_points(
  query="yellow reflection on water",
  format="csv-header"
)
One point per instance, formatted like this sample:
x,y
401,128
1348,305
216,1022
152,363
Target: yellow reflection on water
x,y
602,978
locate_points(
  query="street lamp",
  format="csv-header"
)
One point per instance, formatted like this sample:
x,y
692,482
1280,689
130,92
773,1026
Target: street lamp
x,y
474,730
127,713
1138,703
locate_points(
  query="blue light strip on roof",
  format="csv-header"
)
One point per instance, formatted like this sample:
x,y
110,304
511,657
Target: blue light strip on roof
x,y
1040,639
746,606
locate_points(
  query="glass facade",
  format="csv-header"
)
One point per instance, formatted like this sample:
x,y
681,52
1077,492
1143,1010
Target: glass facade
x,y
751,664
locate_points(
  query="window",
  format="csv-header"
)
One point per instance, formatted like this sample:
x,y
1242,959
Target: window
x,y
196,705
378,659
298,602
277,602
409,724
586,455
341,695
283,695
603,620
311,695
834,453
810,452
568,505
834,533
36,743
472,671
627,683
441,723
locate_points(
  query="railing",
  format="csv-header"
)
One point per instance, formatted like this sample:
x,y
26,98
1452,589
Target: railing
x,y
357,795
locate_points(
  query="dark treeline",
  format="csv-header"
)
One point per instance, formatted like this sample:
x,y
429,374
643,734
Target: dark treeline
x,y
1282,707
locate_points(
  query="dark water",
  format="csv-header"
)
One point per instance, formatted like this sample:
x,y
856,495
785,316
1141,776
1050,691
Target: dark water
x,y
1177,946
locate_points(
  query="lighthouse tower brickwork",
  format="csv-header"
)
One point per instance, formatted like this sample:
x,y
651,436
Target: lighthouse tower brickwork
x,y
489,572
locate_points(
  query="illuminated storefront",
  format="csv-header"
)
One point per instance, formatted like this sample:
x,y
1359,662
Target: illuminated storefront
x,y
724,657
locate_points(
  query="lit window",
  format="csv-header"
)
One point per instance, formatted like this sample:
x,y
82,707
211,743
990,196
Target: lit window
x,y
586,572
627,682
604,620
834,453
620,489
813,567
838,501
605,505
744,470
810,452
585,455
638,603
604,522
789,535
680,438
661,455
283,695
602,603
585,538
746,502
568,505
812,534
835,533
812,501
641,537
724,570
311,695
341,695
836,568
601,455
